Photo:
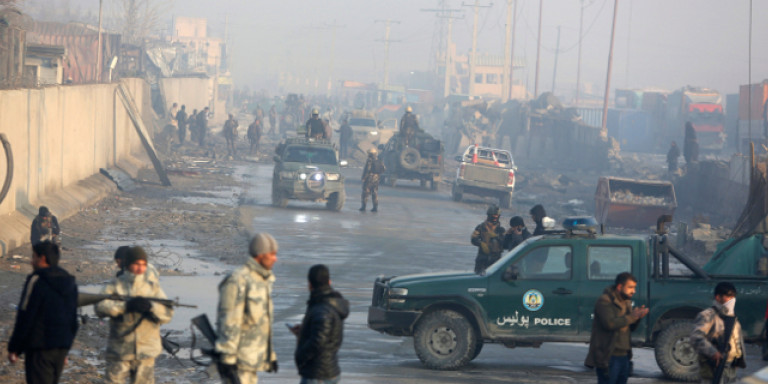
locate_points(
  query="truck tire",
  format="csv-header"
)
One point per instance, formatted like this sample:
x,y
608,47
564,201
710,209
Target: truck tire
x,y
478,348
445,340
335,201
456,192
674,353
278,198
505,200
410,159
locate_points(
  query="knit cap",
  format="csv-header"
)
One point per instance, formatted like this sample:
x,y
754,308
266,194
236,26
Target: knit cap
x,y
133,255
262,243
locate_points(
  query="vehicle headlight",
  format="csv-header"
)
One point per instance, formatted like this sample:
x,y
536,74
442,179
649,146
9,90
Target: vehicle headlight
x,y
374,133
286,175
397,292
332,176
302,176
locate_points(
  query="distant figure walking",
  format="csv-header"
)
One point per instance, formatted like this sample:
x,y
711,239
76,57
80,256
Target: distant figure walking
x,y
672,156
691,145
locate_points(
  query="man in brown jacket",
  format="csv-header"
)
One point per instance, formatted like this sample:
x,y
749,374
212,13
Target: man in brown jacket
x,y
610,348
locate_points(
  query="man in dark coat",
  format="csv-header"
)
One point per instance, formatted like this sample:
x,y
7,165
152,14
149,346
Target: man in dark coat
x,y
691,145
610,348
538,214
672,156
47,319
182,121
516,234
315,127
45,226
488,237
321,332
345,136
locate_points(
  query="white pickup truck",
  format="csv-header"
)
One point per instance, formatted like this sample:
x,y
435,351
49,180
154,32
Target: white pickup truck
x,y
486,172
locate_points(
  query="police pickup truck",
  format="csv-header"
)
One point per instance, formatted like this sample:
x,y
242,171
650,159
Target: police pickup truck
x,y
545,290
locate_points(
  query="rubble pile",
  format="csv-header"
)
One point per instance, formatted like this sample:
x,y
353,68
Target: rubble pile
x,y
626,196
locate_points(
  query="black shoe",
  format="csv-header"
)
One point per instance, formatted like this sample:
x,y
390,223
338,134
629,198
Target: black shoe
x,y
375,208
362,209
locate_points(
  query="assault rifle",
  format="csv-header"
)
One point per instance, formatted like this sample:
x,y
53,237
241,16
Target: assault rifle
x,y
729,323
84,299
202,323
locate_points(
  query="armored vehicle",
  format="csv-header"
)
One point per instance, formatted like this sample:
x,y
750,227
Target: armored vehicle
x,y
308,169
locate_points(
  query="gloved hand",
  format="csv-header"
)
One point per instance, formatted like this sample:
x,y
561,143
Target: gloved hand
x,y
138,305
273,367
484,247
228,371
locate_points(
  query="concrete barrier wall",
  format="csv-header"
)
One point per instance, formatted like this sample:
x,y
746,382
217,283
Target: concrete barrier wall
x,y
193,92
62,135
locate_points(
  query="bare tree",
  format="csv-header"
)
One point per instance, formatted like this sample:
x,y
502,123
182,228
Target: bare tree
x,y
138,19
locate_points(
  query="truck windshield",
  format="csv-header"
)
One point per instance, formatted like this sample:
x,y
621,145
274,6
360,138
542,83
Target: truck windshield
x,y
300,154
362,122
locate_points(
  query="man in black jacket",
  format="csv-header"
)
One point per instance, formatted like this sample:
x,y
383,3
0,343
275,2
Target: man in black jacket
x,y
47,319
45,226
321,332
516,234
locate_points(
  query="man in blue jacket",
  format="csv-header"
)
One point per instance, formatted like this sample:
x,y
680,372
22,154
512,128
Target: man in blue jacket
x,y
47,319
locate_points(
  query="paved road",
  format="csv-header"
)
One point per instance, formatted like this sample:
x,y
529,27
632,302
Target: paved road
x,y
415,231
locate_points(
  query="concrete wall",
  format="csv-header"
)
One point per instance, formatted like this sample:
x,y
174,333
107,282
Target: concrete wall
x,y
195,93
61,136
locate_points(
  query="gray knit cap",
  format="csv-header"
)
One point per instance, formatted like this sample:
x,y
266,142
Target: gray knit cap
x,y
262,243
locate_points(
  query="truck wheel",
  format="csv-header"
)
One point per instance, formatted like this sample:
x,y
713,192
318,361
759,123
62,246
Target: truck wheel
x,y
675,354
410,158
278,198
505,201
445,340
456,192
478,348
335,201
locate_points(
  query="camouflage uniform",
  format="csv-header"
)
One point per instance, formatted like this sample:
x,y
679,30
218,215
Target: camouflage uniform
x,y
707,333
371,174
244,320
489,243
133,354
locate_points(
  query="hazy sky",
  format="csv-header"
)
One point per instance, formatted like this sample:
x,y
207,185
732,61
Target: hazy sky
x,y
669,43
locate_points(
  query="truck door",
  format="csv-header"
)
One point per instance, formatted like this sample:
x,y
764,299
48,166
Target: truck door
x,y
536,297
603,263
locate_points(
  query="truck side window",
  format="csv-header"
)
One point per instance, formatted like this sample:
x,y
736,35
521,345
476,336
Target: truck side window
x,y
546,263
606,262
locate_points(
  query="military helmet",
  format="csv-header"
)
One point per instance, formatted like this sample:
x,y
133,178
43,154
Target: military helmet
x,y
493,210
315,112
409,109
373,152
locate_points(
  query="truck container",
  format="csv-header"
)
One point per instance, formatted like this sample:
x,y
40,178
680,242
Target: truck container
x,y
631,203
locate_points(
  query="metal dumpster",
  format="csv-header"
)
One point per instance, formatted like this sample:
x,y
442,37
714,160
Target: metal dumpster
x,y
632,203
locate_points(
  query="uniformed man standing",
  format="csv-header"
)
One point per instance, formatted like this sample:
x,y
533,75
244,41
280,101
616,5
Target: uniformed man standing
x,y
315,126
244,316
230,134
254,134
488,237
408,126
371,174
134,326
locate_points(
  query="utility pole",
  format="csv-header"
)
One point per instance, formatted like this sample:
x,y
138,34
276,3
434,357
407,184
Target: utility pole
x,y
538,52
512,52
386,41
445,13
578,66
506,86
557,53
629,36
473,57
604,126
98,50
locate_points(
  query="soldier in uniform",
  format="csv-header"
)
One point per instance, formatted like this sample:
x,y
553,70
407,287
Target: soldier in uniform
x,y
244,316
315,126
134,326
408,126
488,237
709,332
371,173
254,134
230,134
